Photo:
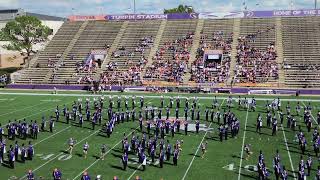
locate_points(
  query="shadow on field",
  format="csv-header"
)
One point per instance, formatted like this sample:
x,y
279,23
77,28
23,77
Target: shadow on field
x,y
6,164
95,156
166,162
102,135
118,151
64,151
236,156
247,176
192,154
117,167
213,138
135,168
262,133
116,155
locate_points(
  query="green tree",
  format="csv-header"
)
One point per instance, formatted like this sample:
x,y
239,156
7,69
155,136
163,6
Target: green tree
x,y
180,9
23,33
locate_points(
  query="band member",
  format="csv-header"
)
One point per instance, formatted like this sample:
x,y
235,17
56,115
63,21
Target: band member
x,y
204,148
85,149
71,143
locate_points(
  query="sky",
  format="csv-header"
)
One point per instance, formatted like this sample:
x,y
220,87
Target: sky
x,y
64,8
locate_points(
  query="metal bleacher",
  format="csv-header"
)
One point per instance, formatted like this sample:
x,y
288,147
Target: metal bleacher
x,y
301,37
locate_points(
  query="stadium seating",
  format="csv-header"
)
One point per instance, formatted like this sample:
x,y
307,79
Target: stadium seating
x,y
165,66
256,45
128,63
130,55
96,35
216,34
301,51
52,52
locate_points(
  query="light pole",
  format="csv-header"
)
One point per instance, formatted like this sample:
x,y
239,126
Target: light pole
x,y
134,6
244,4
291,5
315,4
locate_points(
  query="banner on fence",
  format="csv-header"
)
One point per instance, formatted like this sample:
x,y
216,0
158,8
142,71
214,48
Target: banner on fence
x,y
259,14
281,13
87,18
205,15
136,17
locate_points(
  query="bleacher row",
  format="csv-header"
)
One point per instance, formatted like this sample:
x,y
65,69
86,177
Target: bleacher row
x,y
129,44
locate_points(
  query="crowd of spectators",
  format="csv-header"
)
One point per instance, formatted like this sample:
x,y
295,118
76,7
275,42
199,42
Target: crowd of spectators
x,y
86,79
254,64
217,71
129,77
132,74
171,60
3,78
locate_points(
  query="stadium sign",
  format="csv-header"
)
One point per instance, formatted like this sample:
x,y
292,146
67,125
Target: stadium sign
x,y
152,16
282,13
86,18
136,17
204,15
125,17
259,14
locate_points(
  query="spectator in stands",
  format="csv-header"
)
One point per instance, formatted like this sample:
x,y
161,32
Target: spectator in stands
x,y
216,72
171,60
253,64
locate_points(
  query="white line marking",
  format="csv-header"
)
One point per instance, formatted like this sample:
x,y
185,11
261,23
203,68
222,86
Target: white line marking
x,y
289,155
104,155
134,172
50,100
52,135
310,113
59,154
23,108
149,101
287,147
194,156
242,148
154,96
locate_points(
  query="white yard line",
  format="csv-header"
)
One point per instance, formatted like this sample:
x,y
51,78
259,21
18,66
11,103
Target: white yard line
x,y
35,114
36,169
104,155
107,151
314,119
242,147
52,135
155,96
194,156
287,147
289,155
23,109
134,172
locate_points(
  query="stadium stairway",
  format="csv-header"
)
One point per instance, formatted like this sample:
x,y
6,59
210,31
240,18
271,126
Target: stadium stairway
x,y
114,45
236,34
33,60
279,49
196,41
155,46
56,46
194,48
73,41
67,50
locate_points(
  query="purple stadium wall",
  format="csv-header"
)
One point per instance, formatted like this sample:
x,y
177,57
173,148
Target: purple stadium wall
x,y
117,88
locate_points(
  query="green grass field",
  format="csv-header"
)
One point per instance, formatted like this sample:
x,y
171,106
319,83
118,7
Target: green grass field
x,y
222,160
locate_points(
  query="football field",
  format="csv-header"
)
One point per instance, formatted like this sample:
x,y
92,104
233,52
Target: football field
x,y
222,160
